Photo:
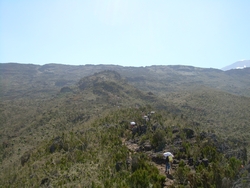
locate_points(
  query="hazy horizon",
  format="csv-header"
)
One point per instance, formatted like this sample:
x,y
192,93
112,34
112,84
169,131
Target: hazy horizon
x,y
207,34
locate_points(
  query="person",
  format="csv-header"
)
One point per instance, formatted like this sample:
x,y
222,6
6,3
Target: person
x,y
167,165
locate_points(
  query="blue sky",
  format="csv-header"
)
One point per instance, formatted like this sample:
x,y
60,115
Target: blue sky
x,y
211,33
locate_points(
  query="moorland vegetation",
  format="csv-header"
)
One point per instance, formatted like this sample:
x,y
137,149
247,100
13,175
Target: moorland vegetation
x,y
70,126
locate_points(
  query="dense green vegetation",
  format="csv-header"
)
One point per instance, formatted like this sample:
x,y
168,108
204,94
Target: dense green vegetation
x,y
60,130
96,156
217,112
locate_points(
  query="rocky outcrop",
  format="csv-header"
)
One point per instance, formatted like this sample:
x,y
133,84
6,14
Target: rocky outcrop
x,y
189,133
243,178
139,129
158,159
65,89
57,145
240,153
25,158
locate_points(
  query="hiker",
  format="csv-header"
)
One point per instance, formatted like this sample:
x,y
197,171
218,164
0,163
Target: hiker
x,y
167,165
169,160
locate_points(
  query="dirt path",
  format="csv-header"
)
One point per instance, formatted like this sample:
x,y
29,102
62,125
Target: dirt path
x,y
133,147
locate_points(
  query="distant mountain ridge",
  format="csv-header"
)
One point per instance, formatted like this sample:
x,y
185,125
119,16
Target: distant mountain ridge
x,y
18,79
237,65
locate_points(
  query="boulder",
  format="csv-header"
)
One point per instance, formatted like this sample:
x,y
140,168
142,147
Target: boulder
x,y
45,181
134,130
128,162
158,159
240,153
25,158
189,133
143,129
175,129
65,89
197,163
176,161
190,161
118,166
5,144
205,162
177,142
57,145
247,167
156,126
147,147
203,135
226,182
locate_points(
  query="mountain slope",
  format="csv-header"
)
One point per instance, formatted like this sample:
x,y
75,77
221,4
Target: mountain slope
x,y
31,121
18,80
73,135
238,65
93,154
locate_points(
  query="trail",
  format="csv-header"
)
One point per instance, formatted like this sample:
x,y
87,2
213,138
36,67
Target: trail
x,y
133,147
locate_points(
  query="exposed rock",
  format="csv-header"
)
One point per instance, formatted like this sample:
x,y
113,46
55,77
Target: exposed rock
x,y
190,161
197,163
25,158
176,161
128,162
147,147
45,181
5,144
242,182
205,162
182,149
177,136
238,153
65,89
139,149
212,137
138,129
177,142
118,166
175,130
158,159
189,133
57,145
247,167
134,130
156,126
143,129
226,182
203,135
222,147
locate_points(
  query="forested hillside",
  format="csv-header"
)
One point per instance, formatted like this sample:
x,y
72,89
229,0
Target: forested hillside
x,y
70,126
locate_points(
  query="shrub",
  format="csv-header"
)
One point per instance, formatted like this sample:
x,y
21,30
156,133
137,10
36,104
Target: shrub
x,y
182,172
158,140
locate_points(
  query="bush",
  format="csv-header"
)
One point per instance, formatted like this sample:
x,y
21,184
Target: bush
x,y
158,140
182,172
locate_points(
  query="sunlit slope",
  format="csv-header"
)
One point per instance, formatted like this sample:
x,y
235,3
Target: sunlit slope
x,y
216,111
